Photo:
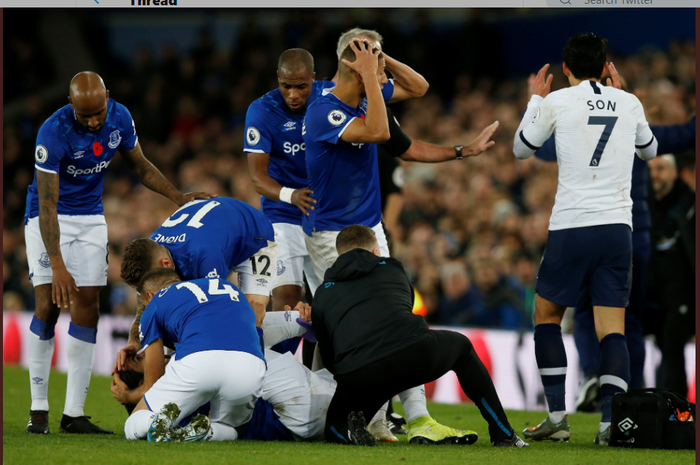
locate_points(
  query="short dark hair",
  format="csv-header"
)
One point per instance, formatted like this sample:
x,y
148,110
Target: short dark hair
x,y
295,60
156,278
353,237
132,379
585,55
138,259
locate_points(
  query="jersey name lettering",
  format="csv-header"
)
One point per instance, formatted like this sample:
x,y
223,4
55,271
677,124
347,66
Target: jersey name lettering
x,y
601,105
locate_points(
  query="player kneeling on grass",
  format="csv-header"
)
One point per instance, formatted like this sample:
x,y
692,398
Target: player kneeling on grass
x,y
213,327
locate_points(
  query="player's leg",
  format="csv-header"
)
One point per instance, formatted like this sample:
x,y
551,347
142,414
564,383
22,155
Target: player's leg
x,y
563,274
86,260
588,347
256,275
322,251
634,314
300,397
610,287
289,265
236,391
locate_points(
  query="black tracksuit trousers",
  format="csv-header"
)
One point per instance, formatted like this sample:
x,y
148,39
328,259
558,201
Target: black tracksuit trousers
x,y
366,389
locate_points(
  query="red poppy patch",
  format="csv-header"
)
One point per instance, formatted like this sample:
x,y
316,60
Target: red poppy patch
x,y
97,148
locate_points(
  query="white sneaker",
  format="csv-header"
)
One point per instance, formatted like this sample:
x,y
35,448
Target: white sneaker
x,y
162,423
196,430
380,430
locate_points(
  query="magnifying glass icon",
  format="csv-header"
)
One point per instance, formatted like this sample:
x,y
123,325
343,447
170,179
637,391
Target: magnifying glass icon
x,y
565,2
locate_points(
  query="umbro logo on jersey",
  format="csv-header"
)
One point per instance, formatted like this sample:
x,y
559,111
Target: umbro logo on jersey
x,y
290,125
115,139
79,154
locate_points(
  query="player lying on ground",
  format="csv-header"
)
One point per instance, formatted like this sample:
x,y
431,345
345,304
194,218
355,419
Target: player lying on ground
x,y
294,399
213,327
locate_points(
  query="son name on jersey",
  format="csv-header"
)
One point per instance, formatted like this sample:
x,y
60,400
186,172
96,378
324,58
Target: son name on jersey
x,y
601,105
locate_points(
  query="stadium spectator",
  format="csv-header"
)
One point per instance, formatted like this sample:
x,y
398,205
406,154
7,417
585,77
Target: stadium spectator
x,y
672,283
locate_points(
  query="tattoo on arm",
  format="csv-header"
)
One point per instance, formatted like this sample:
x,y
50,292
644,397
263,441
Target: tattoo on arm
x,y
48,191
134,331
148,174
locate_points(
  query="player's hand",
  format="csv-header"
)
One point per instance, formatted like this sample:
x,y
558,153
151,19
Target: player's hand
x,y
131,348
119,389
542,84
614,79
483,142
303,308
259,309
302,199
367,58
190,196
62,288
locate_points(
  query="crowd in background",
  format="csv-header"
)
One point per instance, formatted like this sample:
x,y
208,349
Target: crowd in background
x,y
471,232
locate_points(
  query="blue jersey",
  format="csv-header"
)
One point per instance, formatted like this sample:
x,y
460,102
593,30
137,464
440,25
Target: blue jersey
x,y
209,237
79,157
204,314
343,176
271,127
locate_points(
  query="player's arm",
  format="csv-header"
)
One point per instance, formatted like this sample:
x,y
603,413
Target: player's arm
x,y
259,169
645,142
408,83
134,344
63,285
153,179
429,153
676,138
537,124
374,129
153,364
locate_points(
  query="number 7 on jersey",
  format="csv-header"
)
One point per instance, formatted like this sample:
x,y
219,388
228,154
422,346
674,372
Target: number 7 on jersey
x,y
609,123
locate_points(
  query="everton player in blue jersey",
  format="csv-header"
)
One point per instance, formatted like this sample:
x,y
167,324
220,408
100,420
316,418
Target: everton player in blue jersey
x,y
213,327
66,236
206,239
277,164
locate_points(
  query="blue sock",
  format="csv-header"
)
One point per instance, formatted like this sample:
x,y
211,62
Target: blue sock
x,y
614,370
551,360
41,329
82,333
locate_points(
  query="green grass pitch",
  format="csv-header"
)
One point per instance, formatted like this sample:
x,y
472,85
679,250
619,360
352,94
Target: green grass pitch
x,y
22,448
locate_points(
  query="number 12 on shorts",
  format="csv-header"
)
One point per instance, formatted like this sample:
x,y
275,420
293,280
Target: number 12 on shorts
x,y
609,123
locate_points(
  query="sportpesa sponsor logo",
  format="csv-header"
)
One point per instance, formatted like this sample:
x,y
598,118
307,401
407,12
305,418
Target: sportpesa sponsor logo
x,y
86,172
294,148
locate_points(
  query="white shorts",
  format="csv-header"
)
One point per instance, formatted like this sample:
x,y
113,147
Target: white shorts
x,y
321,247
83,247
299,396
232,381
256,275
293,260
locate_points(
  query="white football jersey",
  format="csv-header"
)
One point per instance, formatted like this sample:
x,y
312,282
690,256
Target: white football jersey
x,y
597,131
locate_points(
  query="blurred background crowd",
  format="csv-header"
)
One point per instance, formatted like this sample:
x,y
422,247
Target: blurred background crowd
x,y
471,232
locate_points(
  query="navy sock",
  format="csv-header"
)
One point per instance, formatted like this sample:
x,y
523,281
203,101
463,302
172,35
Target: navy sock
x,y
551,360
614,370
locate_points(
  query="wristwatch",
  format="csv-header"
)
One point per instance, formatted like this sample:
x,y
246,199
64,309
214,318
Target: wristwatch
x,y
458,151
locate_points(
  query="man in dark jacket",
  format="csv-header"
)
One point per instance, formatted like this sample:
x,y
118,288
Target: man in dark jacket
x,y
376,347
672,289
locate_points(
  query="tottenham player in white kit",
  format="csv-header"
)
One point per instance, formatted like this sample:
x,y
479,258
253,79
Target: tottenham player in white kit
x,y
589,248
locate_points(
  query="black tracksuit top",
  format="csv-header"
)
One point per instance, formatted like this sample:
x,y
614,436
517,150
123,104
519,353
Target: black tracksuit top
x,y
363,311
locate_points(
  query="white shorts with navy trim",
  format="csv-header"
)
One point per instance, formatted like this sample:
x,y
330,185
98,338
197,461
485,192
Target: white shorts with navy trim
x,y
83,244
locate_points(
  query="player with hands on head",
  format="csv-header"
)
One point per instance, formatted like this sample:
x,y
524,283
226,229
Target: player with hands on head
x,y
66,236
589,247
